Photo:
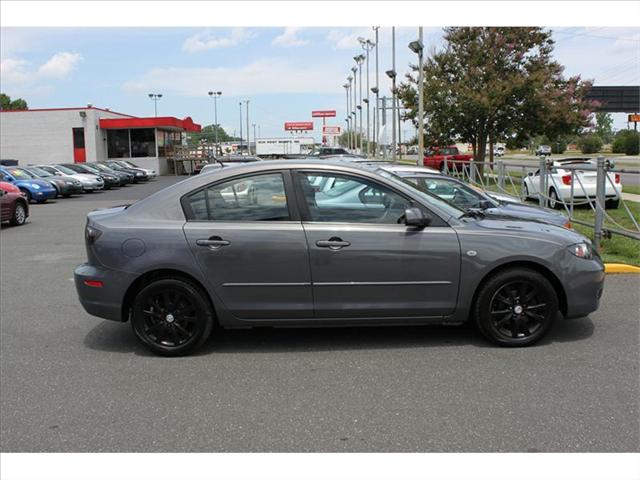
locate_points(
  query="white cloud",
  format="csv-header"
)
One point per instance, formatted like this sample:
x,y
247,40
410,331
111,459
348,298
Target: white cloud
x,y
289,38
203,41
264,76
14,71
60,65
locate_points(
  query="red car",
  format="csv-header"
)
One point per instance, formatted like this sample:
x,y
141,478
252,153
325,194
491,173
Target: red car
x,y
15,207
435,157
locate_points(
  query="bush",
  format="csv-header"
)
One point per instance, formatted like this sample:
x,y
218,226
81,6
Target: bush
x,y
558,146
627,142
590,143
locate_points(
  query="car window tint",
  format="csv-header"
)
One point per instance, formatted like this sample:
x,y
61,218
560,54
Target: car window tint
x,y
247,199
351,200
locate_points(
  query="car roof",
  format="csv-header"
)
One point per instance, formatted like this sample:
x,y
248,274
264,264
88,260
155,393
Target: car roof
x,y
395,167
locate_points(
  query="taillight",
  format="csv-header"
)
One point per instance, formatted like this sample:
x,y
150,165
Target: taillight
x,y
93,283
617,178
566,179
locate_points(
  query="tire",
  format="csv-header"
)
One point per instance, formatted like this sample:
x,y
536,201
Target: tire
x,y
19,214
516,307
554,201
172,317
525,190
613,204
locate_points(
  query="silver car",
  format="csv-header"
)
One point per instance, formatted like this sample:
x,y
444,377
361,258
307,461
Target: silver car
x,y
90,183
193,256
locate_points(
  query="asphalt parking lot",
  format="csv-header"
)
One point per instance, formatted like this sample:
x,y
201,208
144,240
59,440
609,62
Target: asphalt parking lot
x,y
72,382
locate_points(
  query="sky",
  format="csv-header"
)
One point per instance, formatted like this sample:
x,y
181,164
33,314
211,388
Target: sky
x,y
284,72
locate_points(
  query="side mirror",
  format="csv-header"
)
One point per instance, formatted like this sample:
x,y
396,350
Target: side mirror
x,y
484,204
530,174
414,217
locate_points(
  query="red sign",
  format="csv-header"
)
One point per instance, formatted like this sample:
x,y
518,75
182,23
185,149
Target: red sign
x,y
295,126
330,130
323,113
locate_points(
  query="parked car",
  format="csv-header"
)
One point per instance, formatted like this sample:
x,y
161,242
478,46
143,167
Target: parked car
x,y
543,151
188,257
65,187
139,175
559,182
90,183
498,151
13,204
227,160
125,177
109,179
332,151
446,158
465,197
150,172
33,188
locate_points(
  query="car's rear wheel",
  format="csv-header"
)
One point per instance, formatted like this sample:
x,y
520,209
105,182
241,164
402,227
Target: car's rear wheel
x,y
554,201
613,204
172,317
19,214
525,190
516,307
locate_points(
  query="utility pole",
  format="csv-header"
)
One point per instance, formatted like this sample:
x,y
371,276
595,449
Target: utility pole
x,y
346,89
376,90
359,61
254,134
215,96
367,46
155,97
393,92
241,141
384,123
354,98
418,47
248,135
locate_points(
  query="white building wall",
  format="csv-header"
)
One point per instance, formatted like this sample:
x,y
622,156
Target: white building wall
x,y
46,136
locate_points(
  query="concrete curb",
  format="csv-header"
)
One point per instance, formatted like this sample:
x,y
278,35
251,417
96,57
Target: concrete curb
x,y
620,268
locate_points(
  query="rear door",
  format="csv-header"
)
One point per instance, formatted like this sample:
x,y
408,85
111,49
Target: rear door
x,y
247,238
365,263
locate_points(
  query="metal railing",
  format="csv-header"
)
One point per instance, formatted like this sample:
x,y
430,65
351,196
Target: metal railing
x,y
509,178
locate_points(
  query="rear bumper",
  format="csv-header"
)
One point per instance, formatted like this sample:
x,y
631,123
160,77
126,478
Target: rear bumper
x,y
105,301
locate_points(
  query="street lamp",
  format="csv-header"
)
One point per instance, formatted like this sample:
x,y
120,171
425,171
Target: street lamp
x,y
241,141
392,75
376,91
367,46
418,47
354,98
359,59
155,97
215,96
248,133
346,89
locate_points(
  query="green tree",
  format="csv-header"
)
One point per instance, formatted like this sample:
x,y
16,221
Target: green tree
x,y
590,143
7,104
496,83
208,135
604,126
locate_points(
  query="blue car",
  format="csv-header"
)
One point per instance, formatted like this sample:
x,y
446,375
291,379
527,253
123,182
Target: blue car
x,y
35,189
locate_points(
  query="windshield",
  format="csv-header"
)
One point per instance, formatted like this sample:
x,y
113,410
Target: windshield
x,y
21,174
129,164
65,170
424,194
99,166
40,172
90,168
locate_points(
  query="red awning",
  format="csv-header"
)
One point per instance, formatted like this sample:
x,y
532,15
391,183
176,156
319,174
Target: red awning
x,y
170,123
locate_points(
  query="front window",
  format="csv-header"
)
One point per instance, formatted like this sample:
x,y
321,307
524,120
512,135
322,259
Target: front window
x,y
351,200
246,199
143,142
118,143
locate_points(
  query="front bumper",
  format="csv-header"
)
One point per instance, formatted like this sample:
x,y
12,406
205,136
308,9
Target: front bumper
x,y
105,301
43,194
584,285
92,187
70,189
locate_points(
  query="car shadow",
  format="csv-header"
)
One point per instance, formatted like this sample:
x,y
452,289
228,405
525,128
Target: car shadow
x,y
118,338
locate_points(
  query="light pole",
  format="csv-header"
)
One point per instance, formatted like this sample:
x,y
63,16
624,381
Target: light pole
x,y
248,135
346,89
215,96
418,47
155,97
241,141
359,61
376,90
367,46
354,97
254,133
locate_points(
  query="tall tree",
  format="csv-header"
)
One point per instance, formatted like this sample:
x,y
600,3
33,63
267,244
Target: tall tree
x,y
208,134
7,104
604,126
496,83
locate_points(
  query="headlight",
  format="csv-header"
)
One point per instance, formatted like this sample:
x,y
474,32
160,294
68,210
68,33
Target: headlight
x,y
582,250
68,182
35,186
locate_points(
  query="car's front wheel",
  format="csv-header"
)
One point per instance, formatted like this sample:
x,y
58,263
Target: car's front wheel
x,y
19,214
172,317
516,307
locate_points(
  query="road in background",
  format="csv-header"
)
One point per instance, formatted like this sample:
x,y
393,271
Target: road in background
x,y
71,382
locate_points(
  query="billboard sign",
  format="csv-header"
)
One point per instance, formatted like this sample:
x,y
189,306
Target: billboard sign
x,y
298,126
330,130
323,113
634,118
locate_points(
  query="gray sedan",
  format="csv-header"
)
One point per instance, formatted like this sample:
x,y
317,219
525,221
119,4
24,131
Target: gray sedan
x,y
200,254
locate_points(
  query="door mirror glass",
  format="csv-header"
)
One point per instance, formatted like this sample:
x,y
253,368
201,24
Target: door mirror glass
x,y
414,217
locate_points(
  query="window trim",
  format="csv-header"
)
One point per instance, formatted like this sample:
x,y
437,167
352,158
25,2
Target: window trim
x,y
306,216
294,215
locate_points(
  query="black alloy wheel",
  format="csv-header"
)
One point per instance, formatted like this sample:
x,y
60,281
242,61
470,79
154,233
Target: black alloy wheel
x,y
172,317
516,307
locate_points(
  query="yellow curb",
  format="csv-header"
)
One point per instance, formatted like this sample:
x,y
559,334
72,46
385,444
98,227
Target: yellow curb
x,y
620,268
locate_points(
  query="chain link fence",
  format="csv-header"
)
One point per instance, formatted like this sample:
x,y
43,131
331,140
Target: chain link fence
x,y
570,185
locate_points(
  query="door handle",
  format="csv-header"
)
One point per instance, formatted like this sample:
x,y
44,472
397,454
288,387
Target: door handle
x,y
214,242
334,243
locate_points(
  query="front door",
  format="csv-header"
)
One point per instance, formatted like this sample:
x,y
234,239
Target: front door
x,y
248,240
365,262
79,153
